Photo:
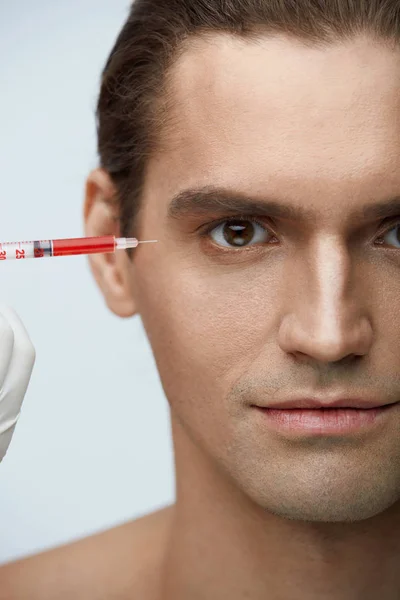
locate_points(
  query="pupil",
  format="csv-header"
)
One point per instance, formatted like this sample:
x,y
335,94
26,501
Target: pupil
x,y
238,233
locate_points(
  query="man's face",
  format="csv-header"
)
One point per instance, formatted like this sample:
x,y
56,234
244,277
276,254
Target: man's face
x,y
290,306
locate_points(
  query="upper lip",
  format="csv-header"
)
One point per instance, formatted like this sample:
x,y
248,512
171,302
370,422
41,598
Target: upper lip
x,y
326,403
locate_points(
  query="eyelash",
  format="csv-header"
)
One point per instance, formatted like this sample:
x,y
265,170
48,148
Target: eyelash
x,y
214,224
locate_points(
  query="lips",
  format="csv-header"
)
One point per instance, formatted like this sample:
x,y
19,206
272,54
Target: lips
x,y
316,403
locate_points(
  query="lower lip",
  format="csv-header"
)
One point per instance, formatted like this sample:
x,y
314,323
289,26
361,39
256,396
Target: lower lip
x,y
324,421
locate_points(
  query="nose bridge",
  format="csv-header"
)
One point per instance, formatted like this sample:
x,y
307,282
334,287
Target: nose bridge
x,y
329,276
326,317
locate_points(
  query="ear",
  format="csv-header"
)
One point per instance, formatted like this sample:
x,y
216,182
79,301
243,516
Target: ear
x,y
112,272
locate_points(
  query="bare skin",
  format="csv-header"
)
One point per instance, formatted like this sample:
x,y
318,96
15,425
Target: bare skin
x,y
308,307
123,562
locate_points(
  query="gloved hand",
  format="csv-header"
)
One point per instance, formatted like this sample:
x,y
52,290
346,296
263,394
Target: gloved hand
x,y
17,357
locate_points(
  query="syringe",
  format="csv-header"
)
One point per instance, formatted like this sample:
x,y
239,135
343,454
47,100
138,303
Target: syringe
x,y
67,247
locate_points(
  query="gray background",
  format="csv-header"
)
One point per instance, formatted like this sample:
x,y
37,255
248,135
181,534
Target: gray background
x,y
92,447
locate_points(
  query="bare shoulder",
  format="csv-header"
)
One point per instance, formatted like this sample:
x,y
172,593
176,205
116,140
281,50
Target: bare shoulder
x,y
121,562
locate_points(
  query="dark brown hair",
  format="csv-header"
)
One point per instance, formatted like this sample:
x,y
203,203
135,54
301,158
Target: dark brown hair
x,y
132,107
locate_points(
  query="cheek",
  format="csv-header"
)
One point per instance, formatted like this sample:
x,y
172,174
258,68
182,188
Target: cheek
x,y
205,329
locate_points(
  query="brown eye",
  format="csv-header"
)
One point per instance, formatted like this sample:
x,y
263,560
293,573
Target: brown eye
x,y
239,233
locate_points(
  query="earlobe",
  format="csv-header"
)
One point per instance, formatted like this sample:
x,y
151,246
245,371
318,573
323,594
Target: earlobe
x,y
112,272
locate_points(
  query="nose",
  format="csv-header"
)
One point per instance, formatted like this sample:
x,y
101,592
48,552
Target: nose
x,y
325,317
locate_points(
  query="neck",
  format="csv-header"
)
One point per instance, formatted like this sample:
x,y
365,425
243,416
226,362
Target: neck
x,y
222,545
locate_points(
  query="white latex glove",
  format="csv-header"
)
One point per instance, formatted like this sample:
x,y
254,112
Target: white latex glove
x,y
17,357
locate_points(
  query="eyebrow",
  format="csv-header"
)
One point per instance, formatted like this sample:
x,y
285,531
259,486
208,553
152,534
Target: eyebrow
x,y
215,200
203,201
382,210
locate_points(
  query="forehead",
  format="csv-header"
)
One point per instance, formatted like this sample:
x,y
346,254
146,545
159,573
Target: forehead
x,y
275,112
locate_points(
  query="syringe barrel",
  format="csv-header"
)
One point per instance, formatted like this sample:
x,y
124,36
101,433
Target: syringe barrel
x,y
20,250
